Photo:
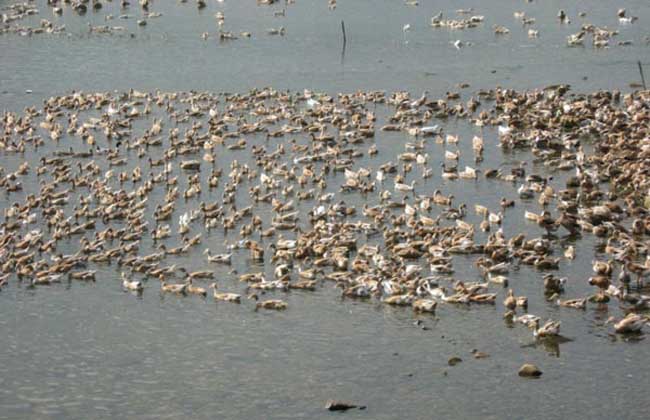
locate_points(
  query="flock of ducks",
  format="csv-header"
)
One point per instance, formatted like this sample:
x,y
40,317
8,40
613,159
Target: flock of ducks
x,y
16,12
135,181
601,37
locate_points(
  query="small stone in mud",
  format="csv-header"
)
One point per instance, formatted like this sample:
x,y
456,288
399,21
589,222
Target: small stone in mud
x,y
454,360
530,371
335,405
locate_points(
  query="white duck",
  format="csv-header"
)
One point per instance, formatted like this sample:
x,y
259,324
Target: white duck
x,y
134,285
219,258
400,186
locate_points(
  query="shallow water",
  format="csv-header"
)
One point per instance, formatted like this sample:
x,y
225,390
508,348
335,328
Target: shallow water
x,y
89,350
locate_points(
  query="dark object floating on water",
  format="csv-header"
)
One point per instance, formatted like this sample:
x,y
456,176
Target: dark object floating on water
x,y
454,360
529,371
335,405
479,354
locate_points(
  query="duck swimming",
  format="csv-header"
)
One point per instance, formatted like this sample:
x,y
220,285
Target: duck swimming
x,y
272,304
549,329
424,305
133,285
632,323
219,258
195,290
180,289
226,297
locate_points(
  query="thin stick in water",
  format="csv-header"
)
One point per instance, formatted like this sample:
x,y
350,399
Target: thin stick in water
x,y
344,42
638,62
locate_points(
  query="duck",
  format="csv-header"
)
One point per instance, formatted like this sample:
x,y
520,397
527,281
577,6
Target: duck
x,y
570,252
256,251
624,277
580,303
219,258
398,299
458,298
46,280
226,297
497,279
553,284
303,285
549,329
525,192
424,305
529,320
639,269
405,188
602,268
309,274
360,290
190,165
483,298
442,200
449,155
632,323
505,203
545,221
469,173
201,274
272,304
510,302
282,270
4,280
173,251
470,288
546,263
180,289
522,302
195,290
83,275
487,267
601,281
495,218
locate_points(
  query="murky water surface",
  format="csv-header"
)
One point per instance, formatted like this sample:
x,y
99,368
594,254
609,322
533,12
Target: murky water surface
x,y
89,350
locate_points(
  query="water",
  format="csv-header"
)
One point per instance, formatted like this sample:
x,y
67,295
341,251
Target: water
x,y
81,350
